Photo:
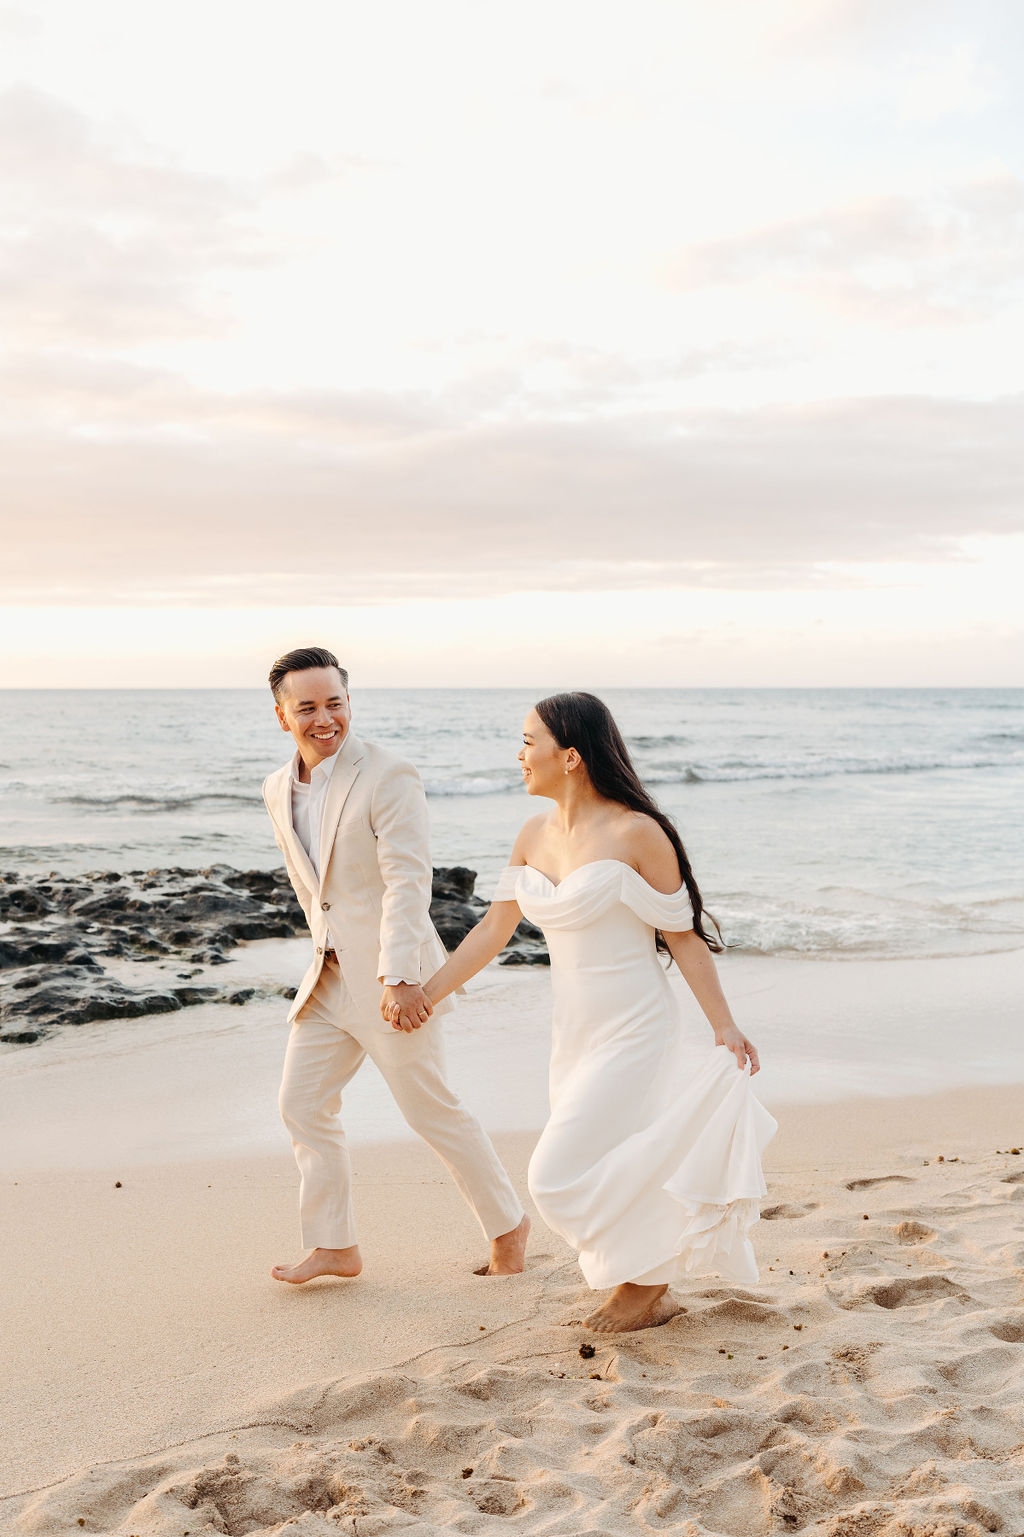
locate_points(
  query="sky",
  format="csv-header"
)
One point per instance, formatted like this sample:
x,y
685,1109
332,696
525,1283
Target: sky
x,y
646,343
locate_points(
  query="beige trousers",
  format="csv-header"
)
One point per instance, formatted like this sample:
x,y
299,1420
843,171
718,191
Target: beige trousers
x,y
328,1042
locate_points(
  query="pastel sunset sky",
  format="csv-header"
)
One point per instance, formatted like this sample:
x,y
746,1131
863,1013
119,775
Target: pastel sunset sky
x,y
660,342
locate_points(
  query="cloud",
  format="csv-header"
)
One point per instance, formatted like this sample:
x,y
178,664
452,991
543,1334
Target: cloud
x,y
951,255
247,515
115,399
103,240
102,393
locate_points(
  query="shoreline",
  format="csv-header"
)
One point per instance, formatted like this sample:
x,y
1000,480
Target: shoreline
x,y
161,1340
204,1081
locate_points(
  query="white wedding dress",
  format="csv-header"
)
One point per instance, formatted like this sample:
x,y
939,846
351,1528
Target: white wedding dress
x,y
650,1165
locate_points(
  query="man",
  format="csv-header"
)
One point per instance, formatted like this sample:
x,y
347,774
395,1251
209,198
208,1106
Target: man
x,y
351,822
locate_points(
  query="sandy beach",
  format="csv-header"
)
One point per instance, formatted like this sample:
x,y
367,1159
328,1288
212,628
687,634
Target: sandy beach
x,y
157,1381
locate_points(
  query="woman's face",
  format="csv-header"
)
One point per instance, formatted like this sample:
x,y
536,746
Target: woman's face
x,y
542,759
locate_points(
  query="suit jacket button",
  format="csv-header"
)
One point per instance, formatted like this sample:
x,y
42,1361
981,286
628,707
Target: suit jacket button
x,y
319,949
326,906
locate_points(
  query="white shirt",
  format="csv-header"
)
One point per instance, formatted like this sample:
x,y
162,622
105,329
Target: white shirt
x,y
308,802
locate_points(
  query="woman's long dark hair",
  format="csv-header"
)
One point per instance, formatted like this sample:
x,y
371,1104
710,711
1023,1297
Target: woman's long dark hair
x,y
585,722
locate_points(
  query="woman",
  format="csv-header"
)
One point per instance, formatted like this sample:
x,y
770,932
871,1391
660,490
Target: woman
x,y
650,1163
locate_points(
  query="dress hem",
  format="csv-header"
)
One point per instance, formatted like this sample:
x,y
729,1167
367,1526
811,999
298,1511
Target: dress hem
x,y
699,1252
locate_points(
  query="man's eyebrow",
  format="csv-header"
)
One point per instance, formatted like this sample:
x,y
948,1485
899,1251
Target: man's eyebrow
x,y
334,699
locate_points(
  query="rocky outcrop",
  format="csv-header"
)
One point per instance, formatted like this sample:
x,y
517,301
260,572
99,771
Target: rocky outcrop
x,y
57,931
455,910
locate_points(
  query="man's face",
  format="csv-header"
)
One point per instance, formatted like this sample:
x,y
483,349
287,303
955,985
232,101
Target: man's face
x,y
315,708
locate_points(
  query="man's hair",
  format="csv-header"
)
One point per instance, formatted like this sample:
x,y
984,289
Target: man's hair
x,y
300,661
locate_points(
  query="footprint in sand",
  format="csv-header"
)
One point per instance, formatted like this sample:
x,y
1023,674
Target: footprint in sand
x,y
1009,1329
912,1292
741,1310
491,1382
998,1367
1013,1179
788,1210
879,1179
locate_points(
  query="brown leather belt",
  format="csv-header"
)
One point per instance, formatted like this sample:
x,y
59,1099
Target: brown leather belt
x,y
330,955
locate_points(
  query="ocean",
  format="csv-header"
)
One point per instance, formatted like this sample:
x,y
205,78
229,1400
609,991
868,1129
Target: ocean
x,y
840,823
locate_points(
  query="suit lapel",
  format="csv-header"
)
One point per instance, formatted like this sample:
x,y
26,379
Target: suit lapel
x,y
283,813
342,779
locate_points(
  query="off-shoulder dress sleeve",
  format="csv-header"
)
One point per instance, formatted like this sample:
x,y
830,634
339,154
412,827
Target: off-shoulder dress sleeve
x,y
506,889
671,913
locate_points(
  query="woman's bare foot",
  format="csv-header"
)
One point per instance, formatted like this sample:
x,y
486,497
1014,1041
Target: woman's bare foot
x,y
508,1252
633,1307
344,1262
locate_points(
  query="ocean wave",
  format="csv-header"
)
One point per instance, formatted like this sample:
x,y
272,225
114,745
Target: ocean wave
x,y
472,785
752,928
732,771
742,772
736,772
18,852
654,742
179,802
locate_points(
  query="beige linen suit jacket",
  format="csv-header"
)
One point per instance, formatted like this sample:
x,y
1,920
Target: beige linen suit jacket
x,y
372,901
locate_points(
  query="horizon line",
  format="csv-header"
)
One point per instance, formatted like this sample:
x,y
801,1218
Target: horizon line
x,y
484,688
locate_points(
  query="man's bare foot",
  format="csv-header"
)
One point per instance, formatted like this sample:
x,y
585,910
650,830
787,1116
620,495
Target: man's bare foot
x,y
344,1262
633,1307
508,1252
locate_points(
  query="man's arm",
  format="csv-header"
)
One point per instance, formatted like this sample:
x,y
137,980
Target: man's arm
x,y
398,819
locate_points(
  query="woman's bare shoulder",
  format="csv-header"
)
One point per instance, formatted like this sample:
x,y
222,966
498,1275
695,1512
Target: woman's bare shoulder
x,y
643,832
651,852
529,834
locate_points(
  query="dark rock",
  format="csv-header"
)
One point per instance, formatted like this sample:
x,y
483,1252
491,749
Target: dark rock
x,y
454,883
111,905
454,910
75,1000
262,882
58,930
453,920
23,902
187,996
35,948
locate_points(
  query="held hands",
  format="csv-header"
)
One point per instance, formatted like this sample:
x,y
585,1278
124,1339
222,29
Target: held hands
x,y
405,1006
741,1048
